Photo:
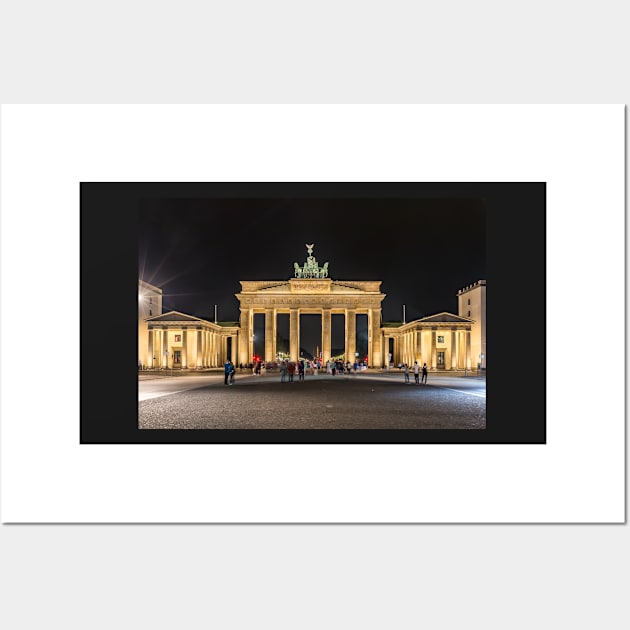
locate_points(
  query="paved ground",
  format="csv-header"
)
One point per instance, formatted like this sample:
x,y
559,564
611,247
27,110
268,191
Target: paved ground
x,y
370,400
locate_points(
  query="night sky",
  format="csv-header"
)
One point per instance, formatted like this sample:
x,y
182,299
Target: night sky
x,y
422,250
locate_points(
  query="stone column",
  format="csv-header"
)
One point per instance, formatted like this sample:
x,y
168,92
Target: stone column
x,y
453,350
164,348
184,347
375,339
458,345
243,350
468,359
150,360
351,334
419,347
433,349
269,329
274,335
326,334
250,332
294,334
157,348
199,357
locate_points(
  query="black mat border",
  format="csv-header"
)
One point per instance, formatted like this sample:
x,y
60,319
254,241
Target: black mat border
x,y
516,311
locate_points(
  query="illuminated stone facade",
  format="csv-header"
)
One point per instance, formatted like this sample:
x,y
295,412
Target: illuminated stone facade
x,y
472,304
320,296
441,341
444,341
149,305
177,340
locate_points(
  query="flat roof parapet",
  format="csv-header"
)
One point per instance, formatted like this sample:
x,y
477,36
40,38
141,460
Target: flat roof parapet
x,y
479,283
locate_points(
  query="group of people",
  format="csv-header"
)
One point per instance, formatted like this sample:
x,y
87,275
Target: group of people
x,y
417,372
288,370
339,367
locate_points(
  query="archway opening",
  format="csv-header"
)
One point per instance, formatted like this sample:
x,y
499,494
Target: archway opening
x,y
310,336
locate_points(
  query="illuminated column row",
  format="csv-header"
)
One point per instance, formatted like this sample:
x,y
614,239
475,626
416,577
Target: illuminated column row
x,y
199,348
375,341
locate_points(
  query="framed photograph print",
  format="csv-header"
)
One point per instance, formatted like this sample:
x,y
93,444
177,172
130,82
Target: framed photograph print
x,y
248,296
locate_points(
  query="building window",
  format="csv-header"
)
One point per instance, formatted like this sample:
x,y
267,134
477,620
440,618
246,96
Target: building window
x,y
178,338
151,301
468,301
440,338
468,313
150,313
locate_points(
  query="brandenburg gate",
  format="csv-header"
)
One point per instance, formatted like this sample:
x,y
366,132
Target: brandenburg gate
x,y
310,291
442,340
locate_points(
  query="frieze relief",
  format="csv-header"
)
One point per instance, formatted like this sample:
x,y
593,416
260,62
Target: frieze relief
x,y
311,301
310,286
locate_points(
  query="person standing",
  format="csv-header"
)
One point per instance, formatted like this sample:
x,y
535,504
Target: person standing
x,y
416,372
283,371
291,371
232,372
406,373
227,370
301,371
424,373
